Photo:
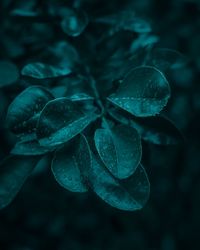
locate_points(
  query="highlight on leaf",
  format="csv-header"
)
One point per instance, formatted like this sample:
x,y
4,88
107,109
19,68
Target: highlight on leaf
x,y
120,149
60,121
65,168
130,194
23,112
143,92
42,71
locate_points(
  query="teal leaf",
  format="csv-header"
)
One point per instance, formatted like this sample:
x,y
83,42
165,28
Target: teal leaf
x,y
29,148
60,121
143,92
156,129
9,73
81,97
14,171
24,111
74,22
129,194
126,20
42,71
165,59
120,149
64,54
65,168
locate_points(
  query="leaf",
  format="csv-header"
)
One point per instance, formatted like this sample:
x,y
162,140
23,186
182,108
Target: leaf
x,y
23,112
165,59
120,149
29,148
14,171
126,20
74,22
64,54
144,91
81,97
130,194
60,121
42,71
9,73
65,168
157,129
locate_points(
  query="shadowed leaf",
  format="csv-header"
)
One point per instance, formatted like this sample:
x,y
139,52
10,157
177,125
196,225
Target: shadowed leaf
x,y
65,168
130,194
41,70
29,148
14,171
8,73
23,112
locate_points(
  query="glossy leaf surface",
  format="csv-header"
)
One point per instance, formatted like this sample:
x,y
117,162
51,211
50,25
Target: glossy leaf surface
x,y
60,121
65,168
143,92
120,149
23,112
130,194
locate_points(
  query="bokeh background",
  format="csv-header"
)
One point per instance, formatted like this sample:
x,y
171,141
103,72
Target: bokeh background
x,y
45,216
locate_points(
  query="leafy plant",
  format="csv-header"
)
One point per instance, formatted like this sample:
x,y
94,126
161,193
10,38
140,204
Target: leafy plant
x,y
90,106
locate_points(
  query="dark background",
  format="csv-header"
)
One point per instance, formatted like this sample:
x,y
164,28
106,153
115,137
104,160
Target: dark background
x,y
45,216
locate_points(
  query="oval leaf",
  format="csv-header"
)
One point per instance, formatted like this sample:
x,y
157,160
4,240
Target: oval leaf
x,y
29,148
23,112
130,194
14,171
143,92
8,73
74,22
65,169
120,149
60,121
42,71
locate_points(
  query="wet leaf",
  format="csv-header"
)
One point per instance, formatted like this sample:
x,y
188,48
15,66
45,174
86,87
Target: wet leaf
x,y
130,194
144,91
29,148
14,171
42,71
24,111
60,121
9,73
65,168
120,149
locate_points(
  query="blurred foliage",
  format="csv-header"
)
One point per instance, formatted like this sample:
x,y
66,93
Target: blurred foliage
x,y
45,216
